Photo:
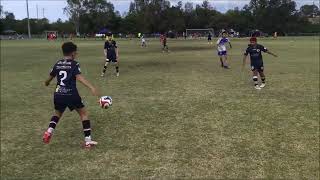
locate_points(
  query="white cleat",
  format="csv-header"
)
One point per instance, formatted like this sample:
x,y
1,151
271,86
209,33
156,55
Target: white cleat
x,y
89,144
102,75
257,87
263,85
118,74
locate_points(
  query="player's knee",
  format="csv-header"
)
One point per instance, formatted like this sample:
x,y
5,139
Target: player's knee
x,y
255,78
58,114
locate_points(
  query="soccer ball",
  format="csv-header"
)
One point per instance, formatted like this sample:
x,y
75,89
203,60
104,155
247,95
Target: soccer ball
x,y
105,102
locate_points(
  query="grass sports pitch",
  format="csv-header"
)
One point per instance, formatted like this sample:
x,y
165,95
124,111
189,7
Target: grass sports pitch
x,y
175,115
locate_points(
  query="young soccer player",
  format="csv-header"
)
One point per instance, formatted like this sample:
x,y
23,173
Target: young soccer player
x,y
163,40
67,71
111,54
209,38
255,50
143,41
222,49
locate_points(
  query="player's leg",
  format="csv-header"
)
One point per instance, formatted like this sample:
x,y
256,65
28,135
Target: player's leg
x,y
220,57
263,78
221,61
255,78
105,67
86,127
117,68
225,61
59,109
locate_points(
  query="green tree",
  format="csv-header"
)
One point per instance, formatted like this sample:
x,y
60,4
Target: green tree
x,y
309,10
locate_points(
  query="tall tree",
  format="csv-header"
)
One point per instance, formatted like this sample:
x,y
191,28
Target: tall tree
x,y
309,10
74,10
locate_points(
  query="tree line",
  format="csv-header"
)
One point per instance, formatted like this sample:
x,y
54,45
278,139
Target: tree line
x,y
152,16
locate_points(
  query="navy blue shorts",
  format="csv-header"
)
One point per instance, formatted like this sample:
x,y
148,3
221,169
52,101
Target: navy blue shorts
x,y
222,53
112,59
61,102
257,67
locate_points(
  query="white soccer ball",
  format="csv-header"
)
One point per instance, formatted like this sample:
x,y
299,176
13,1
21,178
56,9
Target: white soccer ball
x,y
105,102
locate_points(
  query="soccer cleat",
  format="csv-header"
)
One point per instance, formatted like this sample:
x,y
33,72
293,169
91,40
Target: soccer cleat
x,y
89,144
226,67
102,75
46,137
118,74
263,85
257,87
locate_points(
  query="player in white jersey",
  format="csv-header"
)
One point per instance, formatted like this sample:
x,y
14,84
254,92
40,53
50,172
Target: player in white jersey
x,y
222,49
143,42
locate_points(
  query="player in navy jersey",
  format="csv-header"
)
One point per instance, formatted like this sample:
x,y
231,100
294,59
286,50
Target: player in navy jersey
x,y
222,49
111,54
209,38
67,71
163,40
256,60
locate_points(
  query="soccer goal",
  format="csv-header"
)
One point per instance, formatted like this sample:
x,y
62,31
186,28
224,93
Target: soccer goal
x,y
199,33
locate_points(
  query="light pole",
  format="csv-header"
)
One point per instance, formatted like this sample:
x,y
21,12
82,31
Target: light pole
x,y
29,31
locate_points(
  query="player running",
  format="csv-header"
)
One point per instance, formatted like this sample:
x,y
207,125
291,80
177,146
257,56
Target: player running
x,y
67,71
143,41
222,49
111,54
255,50
163,40
209,38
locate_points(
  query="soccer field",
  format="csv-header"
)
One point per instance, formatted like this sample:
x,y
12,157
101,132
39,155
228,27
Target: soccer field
x,y
174,115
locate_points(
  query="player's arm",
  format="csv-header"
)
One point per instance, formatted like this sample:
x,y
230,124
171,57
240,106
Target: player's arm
x,y
117,53
105,50
49,79
245,57
244,60
85,82
271,53
52,74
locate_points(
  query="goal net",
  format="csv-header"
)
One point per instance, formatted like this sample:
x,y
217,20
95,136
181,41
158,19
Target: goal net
x,y
199,33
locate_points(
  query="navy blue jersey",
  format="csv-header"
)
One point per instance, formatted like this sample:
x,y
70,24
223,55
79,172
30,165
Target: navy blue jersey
x,y
66,71
255,53
110,46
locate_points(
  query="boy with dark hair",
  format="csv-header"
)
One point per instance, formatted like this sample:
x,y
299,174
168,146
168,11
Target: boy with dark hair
x,y
111,54
255,50
163,40
222,49
67,71
209,38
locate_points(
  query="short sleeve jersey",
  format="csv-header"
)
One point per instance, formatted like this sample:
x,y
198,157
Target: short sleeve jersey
x,y
111,46
222,44
66,71
255,53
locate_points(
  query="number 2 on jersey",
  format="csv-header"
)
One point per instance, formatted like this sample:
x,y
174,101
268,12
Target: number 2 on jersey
x,y
64,74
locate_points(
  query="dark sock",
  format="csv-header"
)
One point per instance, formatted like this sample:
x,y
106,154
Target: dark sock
x,y
117,69
104,69
221,63
263,79
54,121
255,80
86,128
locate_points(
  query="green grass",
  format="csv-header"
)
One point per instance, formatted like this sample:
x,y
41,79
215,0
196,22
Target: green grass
x,y
176,115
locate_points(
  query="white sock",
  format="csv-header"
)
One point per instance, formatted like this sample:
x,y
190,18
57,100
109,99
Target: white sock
x,y
87,139
50,130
